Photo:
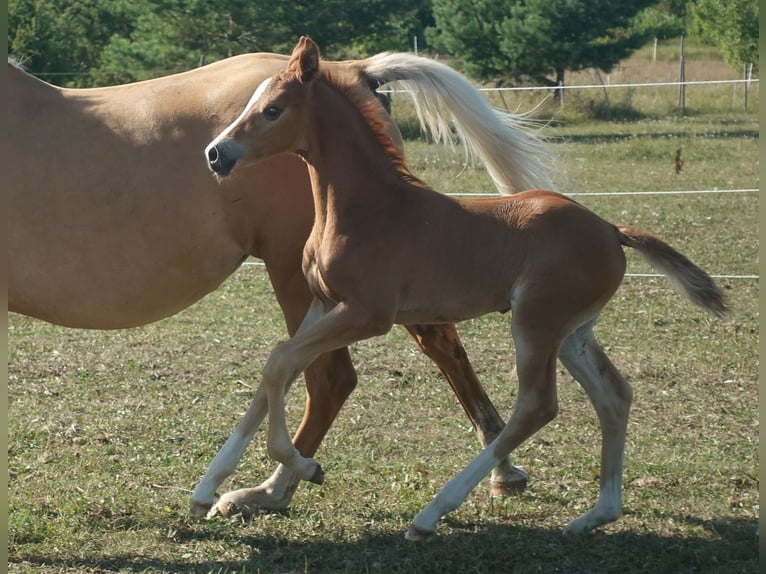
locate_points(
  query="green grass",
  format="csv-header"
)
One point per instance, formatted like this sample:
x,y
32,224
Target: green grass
x,y
109,431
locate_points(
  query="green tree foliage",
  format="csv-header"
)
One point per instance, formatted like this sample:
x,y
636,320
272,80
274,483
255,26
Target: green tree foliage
x,y
175,35
504,40
65,36
732,25
98,42
665,19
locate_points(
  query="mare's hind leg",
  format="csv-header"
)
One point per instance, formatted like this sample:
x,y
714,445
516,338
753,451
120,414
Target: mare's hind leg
x,y
611,396
442,345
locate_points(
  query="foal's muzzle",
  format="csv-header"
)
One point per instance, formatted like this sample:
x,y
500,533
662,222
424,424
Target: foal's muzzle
x,y
223,156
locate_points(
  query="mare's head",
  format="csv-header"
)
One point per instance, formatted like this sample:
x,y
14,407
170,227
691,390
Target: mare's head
x,y
273,120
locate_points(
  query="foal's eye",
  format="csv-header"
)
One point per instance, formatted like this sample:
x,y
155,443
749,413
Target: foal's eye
x,y
272,112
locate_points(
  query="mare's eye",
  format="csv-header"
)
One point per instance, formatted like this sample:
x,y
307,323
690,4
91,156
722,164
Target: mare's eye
x,y
272,112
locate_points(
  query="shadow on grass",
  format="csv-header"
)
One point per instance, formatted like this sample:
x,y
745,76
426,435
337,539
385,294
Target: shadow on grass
x,y
727,546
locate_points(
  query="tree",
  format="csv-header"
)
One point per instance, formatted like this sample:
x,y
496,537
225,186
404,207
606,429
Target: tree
x,y
665,19
176,35
504,40
94,42
730,25
66,36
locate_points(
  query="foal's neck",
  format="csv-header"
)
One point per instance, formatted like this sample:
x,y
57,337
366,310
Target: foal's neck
x,y
349,164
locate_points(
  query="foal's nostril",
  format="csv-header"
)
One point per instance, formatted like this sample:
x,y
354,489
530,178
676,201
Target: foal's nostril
x,y
212,155
223,155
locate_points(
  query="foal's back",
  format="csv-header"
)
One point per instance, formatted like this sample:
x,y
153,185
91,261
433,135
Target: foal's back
x,y
469,257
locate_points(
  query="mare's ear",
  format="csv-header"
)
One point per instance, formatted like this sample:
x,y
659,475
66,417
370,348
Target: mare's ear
x,y
304,62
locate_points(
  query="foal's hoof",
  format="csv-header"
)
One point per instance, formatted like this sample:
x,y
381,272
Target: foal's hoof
x,y
228,509
234,503
416,534
318,476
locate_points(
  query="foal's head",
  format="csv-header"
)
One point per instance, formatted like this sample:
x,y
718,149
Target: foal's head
x,y
272,120
275,119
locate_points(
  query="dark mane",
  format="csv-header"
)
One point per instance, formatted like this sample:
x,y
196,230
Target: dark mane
x,y
376,117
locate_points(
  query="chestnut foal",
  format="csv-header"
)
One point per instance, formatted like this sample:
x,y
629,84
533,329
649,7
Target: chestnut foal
x,y
386,249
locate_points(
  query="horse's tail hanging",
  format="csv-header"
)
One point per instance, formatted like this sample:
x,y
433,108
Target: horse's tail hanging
x,y
691,281
510,145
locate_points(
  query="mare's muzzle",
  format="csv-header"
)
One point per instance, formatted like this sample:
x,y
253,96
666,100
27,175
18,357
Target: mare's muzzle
x,y
223,156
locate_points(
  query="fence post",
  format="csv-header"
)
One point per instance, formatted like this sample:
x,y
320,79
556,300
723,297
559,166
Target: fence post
x,y
682,80
748,73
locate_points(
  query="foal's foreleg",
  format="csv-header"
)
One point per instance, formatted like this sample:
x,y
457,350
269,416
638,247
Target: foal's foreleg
x,y
278,375
320,333
442,345
611,396
225,461
329,381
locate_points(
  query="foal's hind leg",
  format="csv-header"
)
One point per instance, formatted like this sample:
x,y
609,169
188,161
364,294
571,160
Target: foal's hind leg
x,y
611,396
442,345
536,405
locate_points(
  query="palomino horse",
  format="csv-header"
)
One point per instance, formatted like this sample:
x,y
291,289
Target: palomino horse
x,y
96,243
385,249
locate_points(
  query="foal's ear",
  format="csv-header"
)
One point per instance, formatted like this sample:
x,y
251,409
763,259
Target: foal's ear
x,y
304,62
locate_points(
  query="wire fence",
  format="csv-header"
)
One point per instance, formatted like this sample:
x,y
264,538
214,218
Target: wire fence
x,y
746,84
720,276
612,86
633,99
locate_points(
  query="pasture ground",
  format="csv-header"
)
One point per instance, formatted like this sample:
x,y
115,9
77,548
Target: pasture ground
x,y
109,431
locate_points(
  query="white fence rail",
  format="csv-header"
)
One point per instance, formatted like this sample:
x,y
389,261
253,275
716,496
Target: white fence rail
x,y
608,86
730,276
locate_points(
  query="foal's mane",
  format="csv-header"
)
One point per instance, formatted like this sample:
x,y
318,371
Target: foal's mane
x,y
375,116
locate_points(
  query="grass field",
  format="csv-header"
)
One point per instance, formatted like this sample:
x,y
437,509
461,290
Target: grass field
x,y
109,431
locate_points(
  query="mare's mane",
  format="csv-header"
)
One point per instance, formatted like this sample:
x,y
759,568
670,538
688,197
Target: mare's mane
x,y
14,63
361,96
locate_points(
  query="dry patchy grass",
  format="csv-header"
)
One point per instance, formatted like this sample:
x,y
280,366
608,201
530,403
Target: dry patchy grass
x,y
110,430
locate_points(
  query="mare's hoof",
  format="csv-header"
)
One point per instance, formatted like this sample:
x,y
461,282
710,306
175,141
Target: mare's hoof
x,y
508,487
416,534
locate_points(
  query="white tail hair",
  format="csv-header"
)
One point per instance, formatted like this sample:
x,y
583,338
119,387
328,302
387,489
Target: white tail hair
x,y
510,145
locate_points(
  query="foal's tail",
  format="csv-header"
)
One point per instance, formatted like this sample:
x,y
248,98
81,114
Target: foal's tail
x,y
510,145
691,281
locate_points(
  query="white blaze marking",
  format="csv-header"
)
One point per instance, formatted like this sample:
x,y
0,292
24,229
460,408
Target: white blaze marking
x,y
253,99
